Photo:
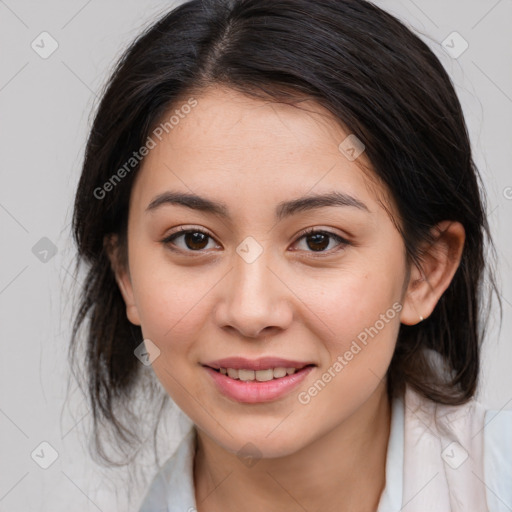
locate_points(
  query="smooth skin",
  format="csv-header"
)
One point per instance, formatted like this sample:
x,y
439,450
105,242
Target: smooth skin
x,y
303,298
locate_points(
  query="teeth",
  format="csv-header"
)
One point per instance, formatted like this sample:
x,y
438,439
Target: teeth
x,y
264,375
232,373
246,374
259,375
279,372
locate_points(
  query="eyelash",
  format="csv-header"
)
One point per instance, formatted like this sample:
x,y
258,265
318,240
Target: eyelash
x,y
309,231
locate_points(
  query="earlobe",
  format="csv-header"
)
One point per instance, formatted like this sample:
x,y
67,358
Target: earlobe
x,y
122,278
125,286
439,262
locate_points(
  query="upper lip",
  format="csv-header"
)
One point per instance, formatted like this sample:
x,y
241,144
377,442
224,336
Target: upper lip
x,y
262,363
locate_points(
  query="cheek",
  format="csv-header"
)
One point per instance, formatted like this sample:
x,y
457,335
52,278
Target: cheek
x,y
361,307
362,311
350,301
171,304
169,298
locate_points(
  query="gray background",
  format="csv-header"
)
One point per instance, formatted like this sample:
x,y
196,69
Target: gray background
x,y
46,106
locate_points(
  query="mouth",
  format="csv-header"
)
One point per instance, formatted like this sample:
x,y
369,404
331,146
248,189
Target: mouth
x,y
263,380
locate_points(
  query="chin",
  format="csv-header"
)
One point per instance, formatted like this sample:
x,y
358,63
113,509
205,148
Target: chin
x,y
259,443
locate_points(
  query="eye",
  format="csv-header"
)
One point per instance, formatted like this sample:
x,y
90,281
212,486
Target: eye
x,y
319,240
194,240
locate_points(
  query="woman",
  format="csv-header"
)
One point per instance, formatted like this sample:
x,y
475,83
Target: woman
x,y
281,214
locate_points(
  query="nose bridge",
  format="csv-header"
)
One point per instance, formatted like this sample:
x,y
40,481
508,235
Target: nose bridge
x,y
254,297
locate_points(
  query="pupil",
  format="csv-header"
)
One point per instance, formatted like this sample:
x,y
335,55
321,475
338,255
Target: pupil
x,y
318,238
192,239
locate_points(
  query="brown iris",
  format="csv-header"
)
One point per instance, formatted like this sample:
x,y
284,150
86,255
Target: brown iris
x,y
320,241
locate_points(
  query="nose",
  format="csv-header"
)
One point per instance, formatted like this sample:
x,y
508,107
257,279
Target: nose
x,y
255,300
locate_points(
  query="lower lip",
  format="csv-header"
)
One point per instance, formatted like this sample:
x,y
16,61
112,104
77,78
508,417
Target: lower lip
x,y
254,391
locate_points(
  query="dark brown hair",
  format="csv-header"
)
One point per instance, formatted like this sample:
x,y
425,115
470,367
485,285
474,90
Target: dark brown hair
x,y
375,76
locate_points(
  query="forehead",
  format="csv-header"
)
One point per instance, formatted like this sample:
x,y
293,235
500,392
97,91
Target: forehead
x,y
232,123
230,143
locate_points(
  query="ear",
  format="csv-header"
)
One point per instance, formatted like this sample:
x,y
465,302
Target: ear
x,y
439,262
122,276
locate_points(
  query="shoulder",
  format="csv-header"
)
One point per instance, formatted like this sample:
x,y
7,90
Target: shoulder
x,y
172,488
497,441
468,444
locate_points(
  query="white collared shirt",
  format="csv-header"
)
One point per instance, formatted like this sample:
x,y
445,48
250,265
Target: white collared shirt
x,y
439,459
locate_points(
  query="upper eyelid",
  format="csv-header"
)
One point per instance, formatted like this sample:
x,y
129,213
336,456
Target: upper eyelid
x,y
303,232
192,229
327,231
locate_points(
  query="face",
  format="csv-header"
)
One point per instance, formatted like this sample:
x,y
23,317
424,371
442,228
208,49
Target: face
x,y
266,276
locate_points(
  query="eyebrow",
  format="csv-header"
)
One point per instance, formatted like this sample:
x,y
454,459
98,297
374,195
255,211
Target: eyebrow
x,y
283,209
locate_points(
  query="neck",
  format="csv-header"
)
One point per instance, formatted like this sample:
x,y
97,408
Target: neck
x,y
343,469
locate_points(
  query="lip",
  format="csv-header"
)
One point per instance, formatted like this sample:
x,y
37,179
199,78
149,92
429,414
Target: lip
x,y
263,363
254,391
